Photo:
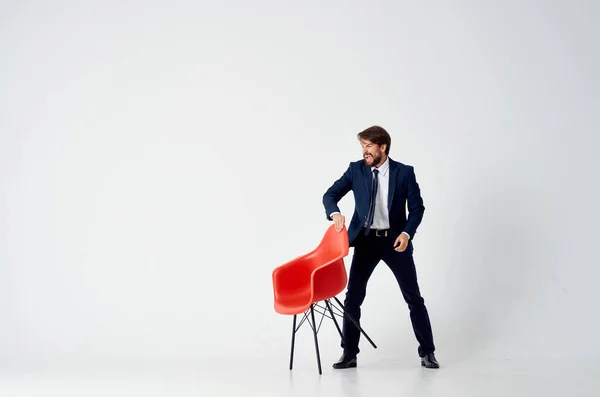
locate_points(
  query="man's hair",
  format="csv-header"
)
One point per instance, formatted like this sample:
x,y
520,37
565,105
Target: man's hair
x,y
377,135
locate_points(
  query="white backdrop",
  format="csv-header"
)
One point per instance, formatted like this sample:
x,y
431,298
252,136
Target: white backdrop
x,y
158,160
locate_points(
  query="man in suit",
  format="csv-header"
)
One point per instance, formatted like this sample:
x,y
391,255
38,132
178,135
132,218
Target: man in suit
x,y
380,230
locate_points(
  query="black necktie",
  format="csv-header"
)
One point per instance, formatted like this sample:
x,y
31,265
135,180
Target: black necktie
x,y
372,206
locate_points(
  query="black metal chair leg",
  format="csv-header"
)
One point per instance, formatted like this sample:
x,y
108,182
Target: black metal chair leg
x,y
315,331
334,320
293,340
354,322
314,327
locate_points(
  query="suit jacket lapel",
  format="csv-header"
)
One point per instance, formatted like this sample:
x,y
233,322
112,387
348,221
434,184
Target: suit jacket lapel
x,y
393,175
368,179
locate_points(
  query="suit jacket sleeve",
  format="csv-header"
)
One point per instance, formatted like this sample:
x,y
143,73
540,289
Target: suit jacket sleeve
x,y
335,193
414,204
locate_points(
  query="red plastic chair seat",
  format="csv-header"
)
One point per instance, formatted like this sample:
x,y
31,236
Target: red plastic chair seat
x,y
313,277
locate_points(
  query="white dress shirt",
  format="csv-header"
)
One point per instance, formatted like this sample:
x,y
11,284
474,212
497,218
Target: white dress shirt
x,y
381,217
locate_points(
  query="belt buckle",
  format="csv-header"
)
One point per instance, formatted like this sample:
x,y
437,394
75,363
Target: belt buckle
x,y
384,233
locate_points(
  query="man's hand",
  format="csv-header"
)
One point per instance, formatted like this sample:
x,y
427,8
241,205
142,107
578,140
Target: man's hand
x,y
401,242
339,220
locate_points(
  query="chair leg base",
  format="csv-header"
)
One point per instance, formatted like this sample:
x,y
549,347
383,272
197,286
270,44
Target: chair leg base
x,y
313,324
312,314
293,341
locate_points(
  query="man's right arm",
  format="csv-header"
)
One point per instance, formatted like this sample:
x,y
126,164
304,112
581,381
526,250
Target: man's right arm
x,y
335,193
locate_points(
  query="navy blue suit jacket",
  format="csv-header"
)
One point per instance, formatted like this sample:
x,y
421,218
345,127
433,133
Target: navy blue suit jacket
x,y
403,192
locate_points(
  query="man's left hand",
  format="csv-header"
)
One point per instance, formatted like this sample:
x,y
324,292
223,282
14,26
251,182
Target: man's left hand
x,y
401,242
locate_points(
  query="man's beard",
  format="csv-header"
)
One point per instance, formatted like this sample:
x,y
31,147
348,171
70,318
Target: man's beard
x,y
376,160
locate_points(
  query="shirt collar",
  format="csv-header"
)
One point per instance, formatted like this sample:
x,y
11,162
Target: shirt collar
x,y
383,168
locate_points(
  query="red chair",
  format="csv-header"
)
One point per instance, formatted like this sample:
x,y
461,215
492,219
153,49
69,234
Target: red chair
x,y
301,284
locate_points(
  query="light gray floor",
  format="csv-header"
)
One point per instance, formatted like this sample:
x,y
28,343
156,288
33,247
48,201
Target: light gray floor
x,y
263,378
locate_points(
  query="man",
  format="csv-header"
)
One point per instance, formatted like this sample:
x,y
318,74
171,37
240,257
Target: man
x,y
380,230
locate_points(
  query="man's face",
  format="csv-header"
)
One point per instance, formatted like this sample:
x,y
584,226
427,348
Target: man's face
x,y
373,154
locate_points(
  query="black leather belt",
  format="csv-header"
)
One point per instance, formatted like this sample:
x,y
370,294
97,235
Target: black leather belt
x,y
379,232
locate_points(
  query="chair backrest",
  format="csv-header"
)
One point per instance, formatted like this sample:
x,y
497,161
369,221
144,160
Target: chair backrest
x,y
330,280
333,245
312,277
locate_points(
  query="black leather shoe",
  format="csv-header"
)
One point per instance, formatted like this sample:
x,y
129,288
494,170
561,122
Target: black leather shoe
x,y
429,361
345,362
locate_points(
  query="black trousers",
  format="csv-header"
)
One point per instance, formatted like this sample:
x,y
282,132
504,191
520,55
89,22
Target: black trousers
x,y
368,252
